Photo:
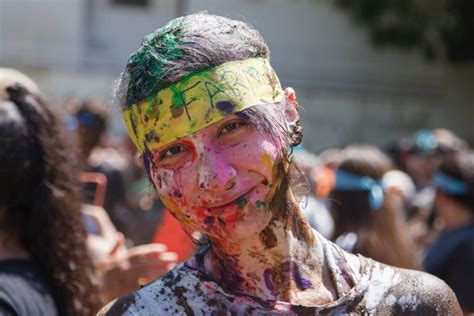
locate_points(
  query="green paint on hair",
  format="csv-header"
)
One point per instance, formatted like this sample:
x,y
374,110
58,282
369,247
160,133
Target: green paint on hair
x,y
146,65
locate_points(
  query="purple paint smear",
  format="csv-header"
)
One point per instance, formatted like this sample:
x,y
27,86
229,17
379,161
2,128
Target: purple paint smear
x,y
301,282
225,106
287,267
268,276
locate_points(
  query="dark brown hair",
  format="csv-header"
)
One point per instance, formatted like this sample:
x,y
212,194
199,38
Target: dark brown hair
x,y
381,233
39,198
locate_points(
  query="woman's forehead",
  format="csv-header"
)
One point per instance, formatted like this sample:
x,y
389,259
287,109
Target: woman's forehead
x,y
200,100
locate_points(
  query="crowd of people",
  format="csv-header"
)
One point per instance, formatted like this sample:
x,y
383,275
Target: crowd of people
x,y
406,205
87,217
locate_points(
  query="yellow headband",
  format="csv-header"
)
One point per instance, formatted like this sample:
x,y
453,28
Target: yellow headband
x,y
200,100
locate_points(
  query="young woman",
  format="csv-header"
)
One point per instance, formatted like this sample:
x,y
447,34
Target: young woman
x,y
367,216
44,265
451,258
214,127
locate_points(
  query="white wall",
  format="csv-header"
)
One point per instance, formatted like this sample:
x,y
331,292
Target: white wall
x,y
115,31
34,32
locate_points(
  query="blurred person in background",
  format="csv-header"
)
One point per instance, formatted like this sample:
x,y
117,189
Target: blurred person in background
x,y
88,122
420,155
368,218
129,199
451,257
44,265
314,208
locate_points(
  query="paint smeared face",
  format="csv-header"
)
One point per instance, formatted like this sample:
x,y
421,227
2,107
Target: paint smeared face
x,y
219,179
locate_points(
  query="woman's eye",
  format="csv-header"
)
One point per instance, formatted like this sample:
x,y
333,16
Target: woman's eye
x,y
175,156
232,126
173,151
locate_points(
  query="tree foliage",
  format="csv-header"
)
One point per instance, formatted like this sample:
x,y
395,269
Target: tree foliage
x,y
438,28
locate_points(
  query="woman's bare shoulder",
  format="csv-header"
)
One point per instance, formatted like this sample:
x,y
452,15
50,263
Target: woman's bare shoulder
x,y
422,293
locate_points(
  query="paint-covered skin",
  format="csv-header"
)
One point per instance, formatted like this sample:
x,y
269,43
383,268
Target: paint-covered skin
x,y
219,179
364,287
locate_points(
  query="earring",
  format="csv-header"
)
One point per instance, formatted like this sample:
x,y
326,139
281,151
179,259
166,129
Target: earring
x,y
296,133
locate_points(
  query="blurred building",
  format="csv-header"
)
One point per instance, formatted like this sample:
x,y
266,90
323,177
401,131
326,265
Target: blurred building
x,y
350,91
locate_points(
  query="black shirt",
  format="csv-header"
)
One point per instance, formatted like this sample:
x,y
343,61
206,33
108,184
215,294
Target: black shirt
x,y
452,259
24,289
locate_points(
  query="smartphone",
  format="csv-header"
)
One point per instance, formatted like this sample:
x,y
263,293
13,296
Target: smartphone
x,y
94,185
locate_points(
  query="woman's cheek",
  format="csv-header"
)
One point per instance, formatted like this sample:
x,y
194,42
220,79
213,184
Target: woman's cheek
x,y
164,183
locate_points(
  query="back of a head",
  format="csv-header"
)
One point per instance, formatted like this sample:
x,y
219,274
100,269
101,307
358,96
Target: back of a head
x,y
19,157
365,160
448,142
352,208
460,166
376,227
9,77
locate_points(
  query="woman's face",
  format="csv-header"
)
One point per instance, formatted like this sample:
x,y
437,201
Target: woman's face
x,y
219,179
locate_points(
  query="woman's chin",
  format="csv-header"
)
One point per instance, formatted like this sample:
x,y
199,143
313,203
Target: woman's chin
x,y
250,224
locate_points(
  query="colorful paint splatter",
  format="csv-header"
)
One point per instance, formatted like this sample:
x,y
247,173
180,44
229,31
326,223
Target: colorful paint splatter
x,y
364,287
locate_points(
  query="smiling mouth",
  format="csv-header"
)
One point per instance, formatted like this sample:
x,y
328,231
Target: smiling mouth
x,y
241,201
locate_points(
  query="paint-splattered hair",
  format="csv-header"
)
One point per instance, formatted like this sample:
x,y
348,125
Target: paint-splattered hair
x,y
186,45
39,202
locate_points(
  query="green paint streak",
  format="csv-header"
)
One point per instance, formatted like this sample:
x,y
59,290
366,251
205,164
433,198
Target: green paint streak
x,y
176,101
259,203
241,202
150,110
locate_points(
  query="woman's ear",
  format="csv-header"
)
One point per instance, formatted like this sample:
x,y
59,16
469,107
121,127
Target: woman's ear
x,y
291,106
292,118
141,161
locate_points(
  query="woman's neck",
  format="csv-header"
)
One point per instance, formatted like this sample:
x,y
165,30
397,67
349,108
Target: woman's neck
x,y
284,262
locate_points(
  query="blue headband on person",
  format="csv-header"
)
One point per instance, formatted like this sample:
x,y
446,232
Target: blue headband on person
x,y
346,181
449,184
72,122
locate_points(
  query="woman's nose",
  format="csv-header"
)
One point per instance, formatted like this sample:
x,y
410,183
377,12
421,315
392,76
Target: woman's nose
x,y
215,173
